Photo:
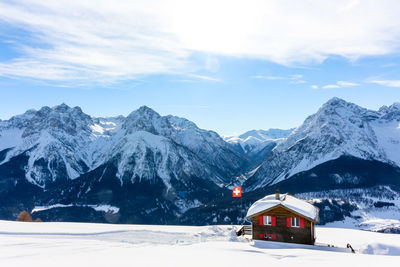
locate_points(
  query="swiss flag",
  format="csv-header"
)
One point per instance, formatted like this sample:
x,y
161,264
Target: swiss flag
x,y
237,191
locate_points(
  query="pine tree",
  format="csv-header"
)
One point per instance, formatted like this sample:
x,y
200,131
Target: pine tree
x,y
24,217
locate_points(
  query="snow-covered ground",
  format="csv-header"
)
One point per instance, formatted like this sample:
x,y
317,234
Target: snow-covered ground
x,y
367,215
80,244
371,220
105,208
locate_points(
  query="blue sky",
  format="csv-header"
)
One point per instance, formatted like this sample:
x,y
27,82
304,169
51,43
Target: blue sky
x,y
229,67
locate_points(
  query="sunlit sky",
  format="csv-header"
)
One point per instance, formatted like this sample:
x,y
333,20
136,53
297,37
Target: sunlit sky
x,y
229,66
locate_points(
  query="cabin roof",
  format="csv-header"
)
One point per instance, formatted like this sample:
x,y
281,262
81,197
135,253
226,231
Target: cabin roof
x,y
287,201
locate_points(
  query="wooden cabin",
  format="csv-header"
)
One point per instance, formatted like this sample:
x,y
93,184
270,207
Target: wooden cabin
x,y
283,218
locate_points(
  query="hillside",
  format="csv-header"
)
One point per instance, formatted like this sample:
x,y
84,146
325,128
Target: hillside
x,y
64,165
69,244
339,128
152,167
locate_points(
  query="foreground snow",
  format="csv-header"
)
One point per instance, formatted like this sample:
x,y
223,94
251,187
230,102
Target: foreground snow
x,y
78,244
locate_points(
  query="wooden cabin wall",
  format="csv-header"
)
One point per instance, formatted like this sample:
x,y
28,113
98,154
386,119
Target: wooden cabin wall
x,y
282,232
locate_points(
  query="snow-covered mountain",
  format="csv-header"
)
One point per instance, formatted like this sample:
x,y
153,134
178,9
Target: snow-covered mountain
x,y
257,143
147,168
61,150
339,128
55,140
63,142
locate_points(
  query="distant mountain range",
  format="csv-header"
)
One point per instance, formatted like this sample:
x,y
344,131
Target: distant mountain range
x,y
257,144
154,164
65,165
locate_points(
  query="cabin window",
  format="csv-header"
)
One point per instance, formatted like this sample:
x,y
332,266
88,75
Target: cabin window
x,y
295,222
270,236
267,220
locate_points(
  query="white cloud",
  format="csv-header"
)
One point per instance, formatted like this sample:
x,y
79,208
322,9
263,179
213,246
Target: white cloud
x,y
330,86
338,84
293,78
204,78
347,84
390,83
107,41
314,86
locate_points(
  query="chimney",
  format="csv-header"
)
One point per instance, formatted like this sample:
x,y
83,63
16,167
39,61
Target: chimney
x,y
277,194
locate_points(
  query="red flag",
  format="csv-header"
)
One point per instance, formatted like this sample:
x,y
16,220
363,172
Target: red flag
x,y
237,191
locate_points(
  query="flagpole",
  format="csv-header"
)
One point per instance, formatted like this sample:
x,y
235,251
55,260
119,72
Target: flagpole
x,y
237,192
241,206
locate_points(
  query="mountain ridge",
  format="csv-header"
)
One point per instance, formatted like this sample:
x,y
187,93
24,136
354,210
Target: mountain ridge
x,y
164,169
58,149
338,128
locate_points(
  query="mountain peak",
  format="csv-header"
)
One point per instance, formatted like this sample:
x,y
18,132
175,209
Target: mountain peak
x,y
390,113
339,128
145,108
272,133
143,118
339,108
394,107
62,107
144,111
335,102
64,110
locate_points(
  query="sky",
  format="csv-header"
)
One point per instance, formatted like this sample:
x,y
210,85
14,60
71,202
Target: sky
x,y
229,66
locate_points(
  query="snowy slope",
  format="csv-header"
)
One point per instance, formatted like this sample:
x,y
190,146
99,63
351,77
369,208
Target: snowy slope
x,y
272,133
254,141
373,209
55,141
155,164
208,146
155,168
72,244
63,142
338,128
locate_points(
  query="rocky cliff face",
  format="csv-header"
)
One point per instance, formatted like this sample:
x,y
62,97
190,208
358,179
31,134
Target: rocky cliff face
x,y
61,151
147,168
338,129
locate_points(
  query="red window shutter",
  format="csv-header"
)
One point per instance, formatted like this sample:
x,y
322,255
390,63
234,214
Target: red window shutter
x,y
273,220
288,222
301,222
260,220
261,236
274,237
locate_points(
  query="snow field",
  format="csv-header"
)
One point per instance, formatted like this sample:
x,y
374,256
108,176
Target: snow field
x,y
81,244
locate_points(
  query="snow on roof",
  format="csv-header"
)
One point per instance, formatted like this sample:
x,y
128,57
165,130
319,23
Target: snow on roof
x,y
288,201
